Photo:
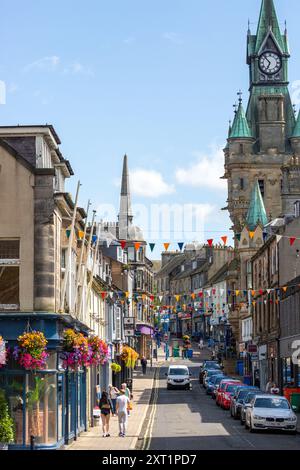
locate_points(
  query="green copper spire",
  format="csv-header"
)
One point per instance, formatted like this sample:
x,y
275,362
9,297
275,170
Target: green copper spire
x,y
268,20
257,212
240,127
296,132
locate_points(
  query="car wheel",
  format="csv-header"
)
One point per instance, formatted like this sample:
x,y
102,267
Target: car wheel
x,y
246,424
168,387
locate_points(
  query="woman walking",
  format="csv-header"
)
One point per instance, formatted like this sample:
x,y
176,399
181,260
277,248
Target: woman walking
x,y
114,392
127,393
105,408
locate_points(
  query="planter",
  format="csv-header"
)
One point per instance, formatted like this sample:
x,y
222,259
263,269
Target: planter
x,y
3,446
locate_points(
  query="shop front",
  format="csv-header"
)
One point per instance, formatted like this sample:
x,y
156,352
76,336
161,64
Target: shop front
x,y
290,363
48,406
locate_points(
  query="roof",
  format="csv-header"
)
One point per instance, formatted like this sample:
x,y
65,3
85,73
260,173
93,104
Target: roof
x,y
268,22
240,127
257,212
296,132
172,264
35,126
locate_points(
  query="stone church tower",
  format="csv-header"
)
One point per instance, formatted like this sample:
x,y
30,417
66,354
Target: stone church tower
x,y
264,141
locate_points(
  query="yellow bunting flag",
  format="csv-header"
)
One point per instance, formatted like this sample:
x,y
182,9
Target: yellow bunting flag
x,y
193,296
251,235
177,297
137,246
285,289
166,245
237,293
254,303
126,295
80,234
144,296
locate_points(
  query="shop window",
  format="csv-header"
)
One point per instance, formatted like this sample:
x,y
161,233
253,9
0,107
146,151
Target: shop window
x,y
9,274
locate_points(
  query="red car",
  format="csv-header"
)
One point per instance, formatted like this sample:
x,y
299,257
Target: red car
x,y
228,393
222,387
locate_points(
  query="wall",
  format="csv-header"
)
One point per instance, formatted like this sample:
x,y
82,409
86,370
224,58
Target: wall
x,y
17,218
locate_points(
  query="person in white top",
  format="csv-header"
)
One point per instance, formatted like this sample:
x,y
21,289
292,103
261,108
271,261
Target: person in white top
x,y
113,395
122,405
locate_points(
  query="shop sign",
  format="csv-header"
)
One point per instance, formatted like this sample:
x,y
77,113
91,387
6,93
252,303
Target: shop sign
x,y
254,357
252,348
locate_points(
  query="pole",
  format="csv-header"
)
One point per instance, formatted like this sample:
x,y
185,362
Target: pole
x,y
93,268
85,265
79,270
68,259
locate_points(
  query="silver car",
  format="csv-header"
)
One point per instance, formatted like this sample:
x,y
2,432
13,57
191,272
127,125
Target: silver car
x,y
270,412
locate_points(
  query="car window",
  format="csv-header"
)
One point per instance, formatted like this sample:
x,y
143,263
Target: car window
x,y
230,388
242,394
272,403
178,372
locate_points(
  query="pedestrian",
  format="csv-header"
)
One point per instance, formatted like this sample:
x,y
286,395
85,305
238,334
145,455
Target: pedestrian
x,y
113,395
201,345
128,394
144,365
213,355
274,389
105,408
269,386
122,406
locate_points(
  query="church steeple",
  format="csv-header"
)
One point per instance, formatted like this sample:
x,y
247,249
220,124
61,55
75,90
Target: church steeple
x,y
256,212
125,214
268,22
240,127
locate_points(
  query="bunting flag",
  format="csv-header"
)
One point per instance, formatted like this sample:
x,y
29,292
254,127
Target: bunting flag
x,y
151,246
238,237
210,242
123,244
251,235
111,294
68,233
237,293
292,240
224,240
137,246
94,239
177,297
201,294
284,288
269,290
152,298
103,295
253,292
166,246
265,235
278,238
80,234
108,242
180,245
144,296
193,296
126,294
160,298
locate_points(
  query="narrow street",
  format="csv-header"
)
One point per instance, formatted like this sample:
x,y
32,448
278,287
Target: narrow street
x,y
190,420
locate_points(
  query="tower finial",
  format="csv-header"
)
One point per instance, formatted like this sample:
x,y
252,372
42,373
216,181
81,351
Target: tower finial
x,y
240,94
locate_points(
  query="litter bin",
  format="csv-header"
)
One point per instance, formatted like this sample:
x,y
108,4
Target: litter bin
x,y
247,379
295,402
240,368
175,352
189,353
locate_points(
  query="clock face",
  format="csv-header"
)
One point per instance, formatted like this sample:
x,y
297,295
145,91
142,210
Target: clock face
x,y
270,63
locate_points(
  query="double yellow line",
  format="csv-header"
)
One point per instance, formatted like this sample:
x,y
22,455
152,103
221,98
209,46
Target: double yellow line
x,y
153,404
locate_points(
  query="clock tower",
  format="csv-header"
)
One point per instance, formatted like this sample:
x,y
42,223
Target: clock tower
x,y
260,141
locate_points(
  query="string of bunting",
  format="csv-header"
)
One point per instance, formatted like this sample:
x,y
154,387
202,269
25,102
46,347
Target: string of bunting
x,y
166,245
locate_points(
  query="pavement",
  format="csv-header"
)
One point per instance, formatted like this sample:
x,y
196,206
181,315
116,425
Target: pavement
x,y
142,389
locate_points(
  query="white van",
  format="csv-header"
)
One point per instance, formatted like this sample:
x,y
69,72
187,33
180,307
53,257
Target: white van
x,y
179,377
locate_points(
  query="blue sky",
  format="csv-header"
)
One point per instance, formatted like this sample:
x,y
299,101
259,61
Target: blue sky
x,y
155,79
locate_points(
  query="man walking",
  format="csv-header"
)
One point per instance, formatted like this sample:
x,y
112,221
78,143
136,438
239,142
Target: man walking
x,y
144,365
121,407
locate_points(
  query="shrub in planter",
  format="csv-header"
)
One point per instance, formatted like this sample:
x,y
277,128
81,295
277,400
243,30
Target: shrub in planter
x,y
6,424
116,368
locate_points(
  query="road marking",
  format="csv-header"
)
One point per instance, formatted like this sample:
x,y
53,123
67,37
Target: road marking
x,y
149,430
243,437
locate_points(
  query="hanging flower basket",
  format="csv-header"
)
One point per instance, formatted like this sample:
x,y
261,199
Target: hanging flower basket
x,y
3,353
98,351
129,356
75,349
116,368
31,352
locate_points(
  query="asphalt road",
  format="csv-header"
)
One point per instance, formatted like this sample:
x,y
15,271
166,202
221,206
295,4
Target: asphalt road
x,y
190,420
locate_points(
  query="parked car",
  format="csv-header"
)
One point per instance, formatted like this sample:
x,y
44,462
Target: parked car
x,y
222,387
270,412
208,365
212,382
207,375
178,377
216,385
246,403
229,392
238,400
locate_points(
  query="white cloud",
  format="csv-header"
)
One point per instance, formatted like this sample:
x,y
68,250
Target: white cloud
x,y
173,37
147,183
205,172
77,68
46,63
